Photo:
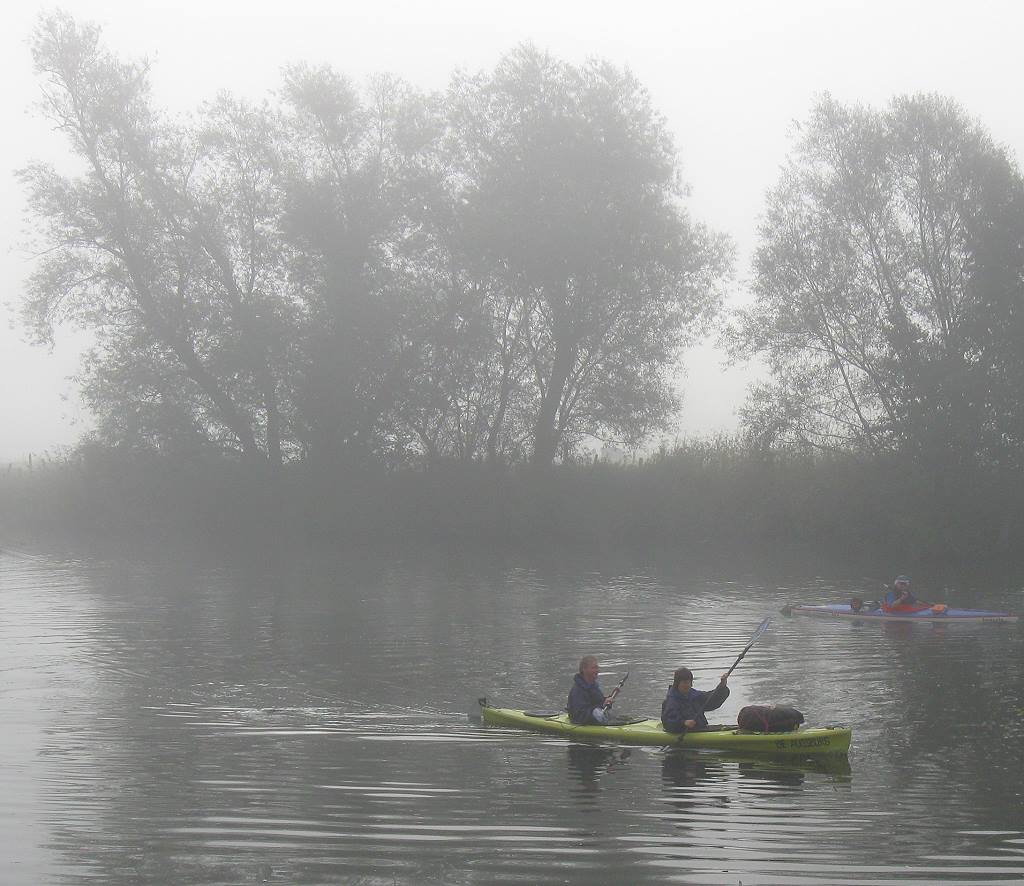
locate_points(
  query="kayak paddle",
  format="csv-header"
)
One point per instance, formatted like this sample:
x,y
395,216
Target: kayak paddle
x,y
761,628
615,692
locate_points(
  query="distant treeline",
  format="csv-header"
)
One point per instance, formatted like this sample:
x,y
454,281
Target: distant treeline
x,y
503,271
381,313
713,496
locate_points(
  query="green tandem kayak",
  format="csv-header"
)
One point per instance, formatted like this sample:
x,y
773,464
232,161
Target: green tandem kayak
x,y
802,742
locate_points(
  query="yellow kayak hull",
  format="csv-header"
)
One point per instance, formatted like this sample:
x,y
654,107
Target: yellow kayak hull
x,y
807,741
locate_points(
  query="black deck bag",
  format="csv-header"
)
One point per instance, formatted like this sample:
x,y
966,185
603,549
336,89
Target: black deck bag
x,y
769,718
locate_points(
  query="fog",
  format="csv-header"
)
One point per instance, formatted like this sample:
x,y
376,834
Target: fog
x,y
731,79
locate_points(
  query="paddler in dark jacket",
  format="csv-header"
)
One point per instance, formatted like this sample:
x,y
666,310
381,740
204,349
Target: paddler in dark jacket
x,y
586,705
898,597
684,706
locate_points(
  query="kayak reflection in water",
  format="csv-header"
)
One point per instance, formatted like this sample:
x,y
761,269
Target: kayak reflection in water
x,y
590,762
588,705
684,706
693,782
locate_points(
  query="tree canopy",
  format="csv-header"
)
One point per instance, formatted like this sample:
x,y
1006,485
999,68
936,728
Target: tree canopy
x,y
493,273
888,288
571,202
165,245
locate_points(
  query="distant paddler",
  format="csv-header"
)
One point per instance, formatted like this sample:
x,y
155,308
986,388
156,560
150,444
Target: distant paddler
x,y
898,598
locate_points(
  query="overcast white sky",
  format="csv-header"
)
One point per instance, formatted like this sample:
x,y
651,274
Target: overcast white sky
x,y
729,76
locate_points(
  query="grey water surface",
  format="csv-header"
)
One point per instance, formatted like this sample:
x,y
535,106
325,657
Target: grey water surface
x,y
308,719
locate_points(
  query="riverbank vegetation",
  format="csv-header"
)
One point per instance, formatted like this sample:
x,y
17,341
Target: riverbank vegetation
x,y
714,497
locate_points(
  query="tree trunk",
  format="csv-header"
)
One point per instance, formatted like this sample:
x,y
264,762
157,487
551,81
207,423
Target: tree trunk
x,y
273,423
508,355
546,436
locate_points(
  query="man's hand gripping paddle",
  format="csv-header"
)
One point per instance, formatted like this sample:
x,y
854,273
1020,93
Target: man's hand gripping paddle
x,y
615,692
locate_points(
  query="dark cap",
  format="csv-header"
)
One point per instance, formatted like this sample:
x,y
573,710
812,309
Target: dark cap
x,y
682,674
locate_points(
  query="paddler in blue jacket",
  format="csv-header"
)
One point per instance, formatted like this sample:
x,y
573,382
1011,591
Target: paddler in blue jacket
x,y
586,705
684,706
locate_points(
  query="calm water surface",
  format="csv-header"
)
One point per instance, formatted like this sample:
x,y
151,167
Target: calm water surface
x,y
307,720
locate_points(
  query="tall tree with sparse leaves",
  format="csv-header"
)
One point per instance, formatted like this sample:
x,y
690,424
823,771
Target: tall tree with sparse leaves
x,y
164,245
888,286
570,196
360,173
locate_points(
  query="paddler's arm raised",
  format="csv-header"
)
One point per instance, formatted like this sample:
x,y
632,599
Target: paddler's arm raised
x,y
717,696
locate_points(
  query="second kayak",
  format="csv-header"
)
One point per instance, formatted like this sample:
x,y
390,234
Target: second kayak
x,y
846,610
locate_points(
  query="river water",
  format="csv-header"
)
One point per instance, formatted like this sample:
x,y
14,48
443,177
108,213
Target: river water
x,y
309,719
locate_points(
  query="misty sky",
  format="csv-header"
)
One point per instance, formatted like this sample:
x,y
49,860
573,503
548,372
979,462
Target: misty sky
x,y
730,77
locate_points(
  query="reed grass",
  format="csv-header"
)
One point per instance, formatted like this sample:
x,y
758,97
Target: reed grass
x,y
700,494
